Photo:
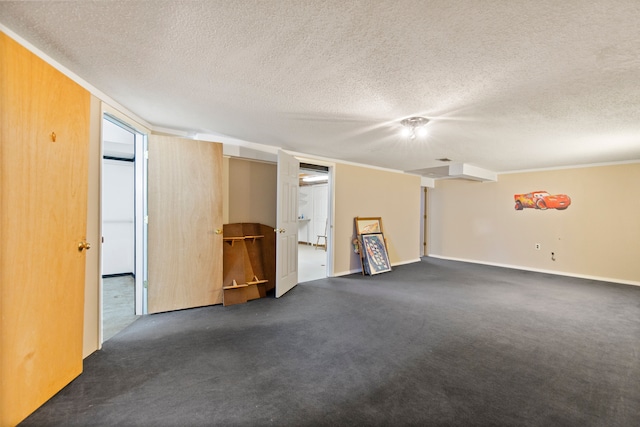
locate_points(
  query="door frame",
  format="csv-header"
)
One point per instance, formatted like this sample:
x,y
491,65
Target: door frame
x,y
331,214
140,213
424,229
331,206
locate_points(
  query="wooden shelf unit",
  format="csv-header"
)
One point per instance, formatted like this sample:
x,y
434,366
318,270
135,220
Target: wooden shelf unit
x,y
249,262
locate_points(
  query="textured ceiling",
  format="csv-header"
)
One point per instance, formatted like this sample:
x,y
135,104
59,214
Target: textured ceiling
x,y
507,85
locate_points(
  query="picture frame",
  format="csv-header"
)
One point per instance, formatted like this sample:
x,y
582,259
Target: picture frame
x,y
368,225
374,254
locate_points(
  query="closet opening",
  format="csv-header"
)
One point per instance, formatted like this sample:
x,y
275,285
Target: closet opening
x,y
123,204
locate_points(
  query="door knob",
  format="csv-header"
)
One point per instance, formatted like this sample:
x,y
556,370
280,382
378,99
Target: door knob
x,y
218,231
84,245
279,230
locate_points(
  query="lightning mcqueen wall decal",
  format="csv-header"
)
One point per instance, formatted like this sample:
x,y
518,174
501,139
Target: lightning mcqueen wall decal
x,y
541,200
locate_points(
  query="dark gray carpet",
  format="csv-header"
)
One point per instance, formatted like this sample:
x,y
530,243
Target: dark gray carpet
x,y
437,343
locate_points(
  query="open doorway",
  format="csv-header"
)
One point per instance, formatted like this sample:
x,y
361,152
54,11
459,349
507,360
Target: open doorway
x,y
313,222
122,209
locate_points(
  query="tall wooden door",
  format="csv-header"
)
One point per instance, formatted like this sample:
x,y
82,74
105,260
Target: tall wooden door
x,y
44,120
185,224
287,224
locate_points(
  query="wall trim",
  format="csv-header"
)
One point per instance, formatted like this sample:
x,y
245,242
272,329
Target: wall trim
x,y
540,270
411,261
354,271
555,168
73,76
311,158
348,272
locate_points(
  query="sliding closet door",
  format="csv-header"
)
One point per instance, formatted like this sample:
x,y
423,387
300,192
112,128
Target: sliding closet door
x,y
44,119
185,224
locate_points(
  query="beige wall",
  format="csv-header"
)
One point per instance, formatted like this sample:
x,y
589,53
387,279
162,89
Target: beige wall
x,y
252,192
225,190
395,197
91,338
598,236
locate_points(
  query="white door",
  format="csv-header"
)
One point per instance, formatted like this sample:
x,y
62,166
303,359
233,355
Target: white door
x,y
287,224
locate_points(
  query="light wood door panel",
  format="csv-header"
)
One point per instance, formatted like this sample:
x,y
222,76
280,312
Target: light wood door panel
x,y
287,223
185,210
43,213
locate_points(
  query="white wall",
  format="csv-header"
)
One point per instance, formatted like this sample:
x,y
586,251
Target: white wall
x,y
118,217
117,141
305,212
320,210
313,207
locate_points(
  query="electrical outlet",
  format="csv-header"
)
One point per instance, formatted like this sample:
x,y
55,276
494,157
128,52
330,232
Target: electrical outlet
x,y
538,246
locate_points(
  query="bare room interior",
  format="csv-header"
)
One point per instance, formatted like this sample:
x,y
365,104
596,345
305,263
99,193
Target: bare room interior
x,y
181,183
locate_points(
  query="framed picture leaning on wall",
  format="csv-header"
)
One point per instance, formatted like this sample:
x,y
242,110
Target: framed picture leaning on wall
x,y
375,257
368,225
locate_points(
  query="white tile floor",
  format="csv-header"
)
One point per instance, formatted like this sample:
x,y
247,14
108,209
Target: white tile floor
x,y
312,263
118,305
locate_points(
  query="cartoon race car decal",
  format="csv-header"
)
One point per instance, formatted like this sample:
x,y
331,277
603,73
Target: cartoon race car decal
x,y
541,200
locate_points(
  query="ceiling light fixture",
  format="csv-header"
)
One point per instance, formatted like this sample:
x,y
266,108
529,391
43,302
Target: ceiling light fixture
x,y
315,178
414,126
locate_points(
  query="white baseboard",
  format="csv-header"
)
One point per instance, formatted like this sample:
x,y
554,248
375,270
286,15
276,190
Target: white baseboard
x,y
346,273
540,270
411,261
